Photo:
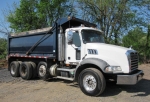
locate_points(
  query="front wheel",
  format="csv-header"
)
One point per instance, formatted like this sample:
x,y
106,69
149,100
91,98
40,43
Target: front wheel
x,y
92,82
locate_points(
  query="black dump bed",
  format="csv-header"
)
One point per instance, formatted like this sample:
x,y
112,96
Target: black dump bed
x,y
21,43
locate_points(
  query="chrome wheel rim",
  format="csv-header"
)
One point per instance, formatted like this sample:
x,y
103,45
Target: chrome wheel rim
x,y
89,83
42,70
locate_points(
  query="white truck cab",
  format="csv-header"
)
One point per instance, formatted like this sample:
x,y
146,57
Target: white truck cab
x,y
85,46
89,43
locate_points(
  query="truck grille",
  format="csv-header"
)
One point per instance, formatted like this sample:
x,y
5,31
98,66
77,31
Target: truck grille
x,y
134,60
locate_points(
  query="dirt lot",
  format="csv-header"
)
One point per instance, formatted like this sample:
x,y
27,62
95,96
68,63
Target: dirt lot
x,y
55,90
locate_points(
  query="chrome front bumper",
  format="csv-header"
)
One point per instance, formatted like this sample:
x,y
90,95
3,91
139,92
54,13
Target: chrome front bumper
x,y
131,79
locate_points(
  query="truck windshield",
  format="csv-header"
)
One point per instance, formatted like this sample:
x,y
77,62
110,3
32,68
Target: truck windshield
x,y
92,36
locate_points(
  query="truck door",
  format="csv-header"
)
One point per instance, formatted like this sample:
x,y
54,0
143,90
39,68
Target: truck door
x,y
73,47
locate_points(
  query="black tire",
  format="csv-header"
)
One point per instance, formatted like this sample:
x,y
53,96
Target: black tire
x,y
92,82
43,71
34,70
14,69
25,70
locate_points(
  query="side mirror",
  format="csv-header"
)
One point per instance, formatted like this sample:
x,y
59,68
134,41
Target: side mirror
x,y
70,36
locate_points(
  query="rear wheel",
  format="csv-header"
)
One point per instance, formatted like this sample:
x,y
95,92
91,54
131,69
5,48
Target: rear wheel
x,y
43,72
25,70
34,69
14,69
92,82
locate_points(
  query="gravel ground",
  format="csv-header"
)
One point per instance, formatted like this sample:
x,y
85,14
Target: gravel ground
x,y
56,90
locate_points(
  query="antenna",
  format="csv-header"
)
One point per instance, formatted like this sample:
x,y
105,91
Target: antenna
x,y
130,47
69,18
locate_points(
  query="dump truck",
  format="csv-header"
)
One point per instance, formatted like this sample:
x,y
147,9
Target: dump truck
x,y
72,49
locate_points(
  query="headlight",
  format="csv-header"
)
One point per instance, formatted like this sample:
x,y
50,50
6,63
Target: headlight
x,y
113,69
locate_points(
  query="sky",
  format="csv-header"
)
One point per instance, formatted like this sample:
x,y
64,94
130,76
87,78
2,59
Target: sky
x,y
4,5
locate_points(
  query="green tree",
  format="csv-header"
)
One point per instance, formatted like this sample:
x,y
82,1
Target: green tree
x,y
34,14
112,16
24,17
50,10
3,48
138,40
147,45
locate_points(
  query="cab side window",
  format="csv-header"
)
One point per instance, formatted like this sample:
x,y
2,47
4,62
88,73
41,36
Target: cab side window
x,y
76,39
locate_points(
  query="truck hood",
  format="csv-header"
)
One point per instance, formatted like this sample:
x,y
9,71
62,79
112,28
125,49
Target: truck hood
x,y
107,47
112,54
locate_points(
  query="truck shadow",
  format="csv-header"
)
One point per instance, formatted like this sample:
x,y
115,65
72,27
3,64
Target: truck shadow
x,y
141,89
